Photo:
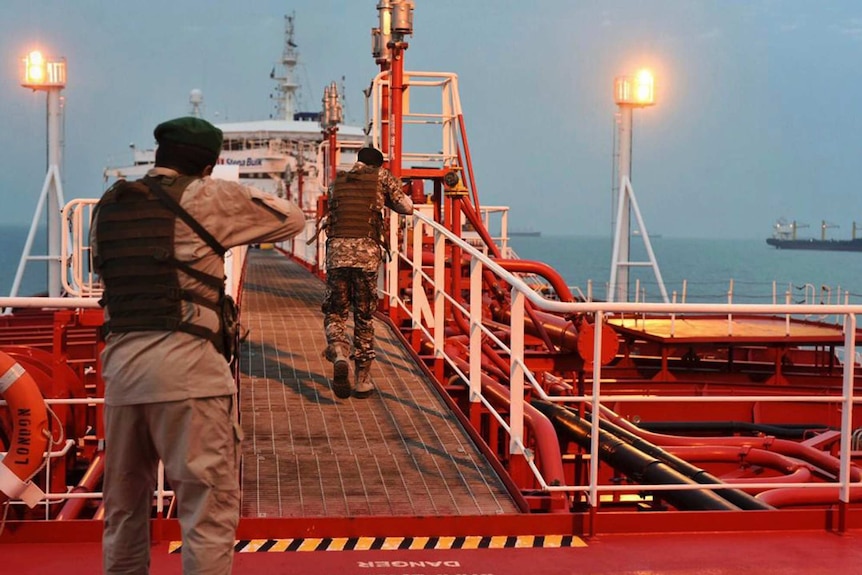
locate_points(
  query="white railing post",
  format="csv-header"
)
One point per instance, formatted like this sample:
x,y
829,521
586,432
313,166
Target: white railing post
x,y
516,372
415,308
596,407
392,265
439,291
847,405
475,329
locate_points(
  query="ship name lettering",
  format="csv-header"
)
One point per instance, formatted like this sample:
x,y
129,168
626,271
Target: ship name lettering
x,y
23,425
243,162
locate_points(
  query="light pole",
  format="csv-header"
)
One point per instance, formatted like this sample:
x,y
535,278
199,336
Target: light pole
x,y
630,92
48,75
389,41
330,117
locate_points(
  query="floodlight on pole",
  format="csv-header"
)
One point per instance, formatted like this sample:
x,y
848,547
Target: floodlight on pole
x,y
331,115
41,73
637,91
630,92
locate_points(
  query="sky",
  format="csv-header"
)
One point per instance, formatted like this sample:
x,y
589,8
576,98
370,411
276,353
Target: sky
x,y
757,114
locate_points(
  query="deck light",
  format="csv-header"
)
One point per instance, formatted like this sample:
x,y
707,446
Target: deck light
x,y
41,73
402,17
332,111
382,35
637,90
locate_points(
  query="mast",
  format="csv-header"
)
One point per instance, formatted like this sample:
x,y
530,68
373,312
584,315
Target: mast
x,y
285,100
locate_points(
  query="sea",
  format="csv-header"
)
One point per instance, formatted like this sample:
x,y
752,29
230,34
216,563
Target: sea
x,y
12,240
701,270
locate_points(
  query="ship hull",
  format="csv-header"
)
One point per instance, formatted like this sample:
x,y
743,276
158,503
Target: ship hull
x,y
822,245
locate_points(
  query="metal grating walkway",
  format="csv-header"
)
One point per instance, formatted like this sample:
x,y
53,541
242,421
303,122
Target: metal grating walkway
x,y
307,453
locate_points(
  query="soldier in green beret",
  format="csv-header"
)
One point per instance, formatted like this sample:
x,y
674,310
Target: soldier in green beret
x,y
158,246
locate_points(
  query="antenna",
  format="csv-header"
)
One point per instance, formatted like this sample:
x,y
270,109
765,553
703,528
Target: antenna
x,y
285,100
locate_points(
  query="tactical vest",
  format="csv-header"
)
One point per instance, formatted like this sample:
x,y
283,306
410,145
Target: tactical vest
x,y
353,209
135,238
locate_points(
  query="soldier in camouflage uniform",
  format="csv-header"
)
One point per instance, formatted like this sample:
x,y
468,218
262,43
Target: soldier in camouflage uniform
x,y
354,250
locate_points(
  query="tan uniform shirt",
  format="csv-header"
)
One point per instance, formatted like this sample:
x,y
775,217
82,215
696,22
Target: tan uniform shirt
x,y
157,366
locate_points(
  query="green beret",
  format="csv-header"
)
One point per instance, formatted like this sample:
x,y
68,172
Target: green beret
x,y
190,131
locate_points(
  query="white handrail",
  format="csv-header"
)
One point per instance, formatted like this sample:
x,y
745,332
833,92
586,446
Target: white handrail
x,y
428,321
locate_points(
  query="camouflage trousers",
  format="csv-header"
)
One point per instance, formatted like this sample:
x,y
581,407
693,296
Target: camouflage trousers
x,y
346,288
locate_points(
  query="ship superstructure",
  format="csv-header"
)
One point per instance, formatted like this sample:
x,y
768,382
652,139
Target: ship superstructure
x,y
283,154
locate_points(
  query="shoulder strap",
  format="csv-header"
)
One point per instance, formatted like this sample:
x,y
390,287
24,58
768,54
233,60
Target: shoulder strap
x,y
175,207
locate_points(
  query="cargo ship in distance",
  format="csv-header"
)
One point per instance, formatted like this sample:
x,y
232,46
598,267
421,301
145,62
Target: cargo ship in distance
x,y
529,233
784,238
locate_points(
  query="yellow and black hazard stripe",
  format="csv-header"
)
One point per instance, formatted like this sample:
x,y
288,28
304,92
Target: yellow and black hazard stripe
x,y
400,543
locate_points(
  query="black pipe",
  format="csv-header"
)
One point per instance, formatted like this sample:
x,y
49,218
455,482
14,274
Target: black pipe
x,y
633,462
739,498
785,431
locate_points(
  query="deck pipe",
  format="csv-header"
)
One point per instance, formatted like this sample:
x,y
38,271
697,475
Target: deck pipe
x,y
789,431
819,459
536,327
793,470
730,453
710,446
492,363
475,220
88,483
633,462
737,497
472,215
543,270
550,459
795,496
801,475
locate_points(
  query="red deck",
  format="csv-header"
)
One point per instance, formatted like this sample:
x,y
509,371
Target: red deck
x,y
770,553
395,484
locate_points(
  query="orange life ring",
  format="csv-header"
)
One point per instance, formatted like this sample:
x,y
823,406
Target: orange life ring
x,y
30,433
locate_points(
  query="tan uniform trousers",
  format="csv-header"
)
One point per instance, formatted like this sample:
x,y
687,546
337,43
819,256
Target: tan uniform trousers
x,y
198,441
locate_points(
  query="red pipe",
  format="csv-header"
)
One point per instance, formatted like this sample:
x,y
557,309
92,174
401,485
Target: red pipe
x,y
477,223
730,453
787,496
540,269
469,162
530,320
548,447
397,94
495,365
333,160
72,508
801,475
793,471
551,328
384,110
299,179
563,331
